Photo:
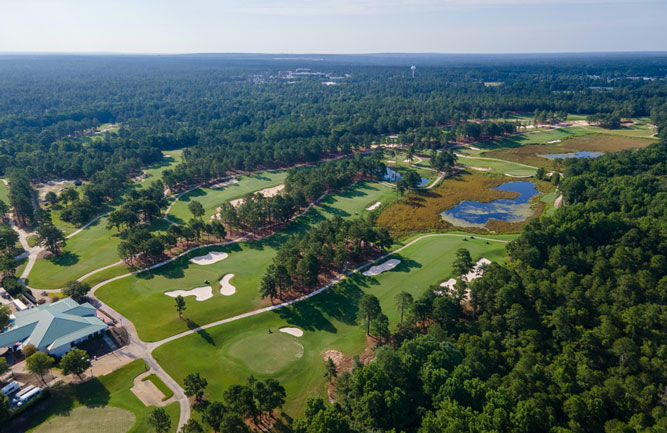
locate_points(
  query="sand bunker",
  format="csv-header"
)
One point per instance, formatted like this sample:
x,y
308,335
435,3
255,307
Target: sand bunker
x,y
478,168
374,206
225,183
226,287
477,270
210,258
292,331
553,141
200,293
266,192
449,284
386,266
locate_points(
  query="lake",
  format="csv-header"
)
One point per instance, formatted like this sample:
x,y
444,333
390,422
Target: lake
x,y
477,214
573,155
393,176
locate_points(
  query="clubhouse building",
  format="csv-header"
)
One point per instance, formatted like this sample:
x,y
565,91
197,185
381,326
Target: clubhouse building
x,y
52,328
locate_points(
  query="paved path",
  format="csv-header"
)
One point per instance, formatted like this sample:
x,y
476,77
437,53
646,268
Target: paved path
x,y
85,226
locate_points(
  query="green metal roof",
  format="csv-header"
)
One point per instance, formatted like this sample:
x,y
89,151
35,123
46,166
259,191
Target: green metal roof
x,y
52,325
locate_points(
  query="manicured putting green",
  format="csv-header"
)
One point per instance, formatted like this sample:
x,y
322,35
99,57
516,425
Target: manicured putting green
x,y
106,419
266,353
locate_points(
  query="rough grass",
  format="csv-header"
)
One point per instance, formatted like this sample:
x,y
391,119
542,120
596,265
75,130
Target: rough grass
x,y
4,192
111,390
530,154
266,353
328,321
498,167
164,389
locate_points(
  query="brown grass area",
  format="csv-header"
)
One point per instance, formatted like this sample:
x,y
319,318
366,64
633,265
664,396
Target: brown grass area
x,y
422,210
529,154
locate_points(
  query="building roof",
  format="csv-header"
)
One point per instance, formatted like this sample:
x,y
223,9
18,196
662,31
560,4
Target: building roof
x,y
53,325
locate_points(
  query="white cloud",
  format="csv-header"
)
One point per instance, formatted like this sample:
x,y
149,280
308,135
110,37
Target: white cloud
x,y
373,7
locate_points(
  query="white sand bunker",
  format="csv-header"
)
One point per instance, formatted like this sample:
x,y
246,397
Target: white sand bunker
x,y
374,206
200,293
386,266
226,287
553,141
449,284
292,331
266,192
225,183
210,258
472,167
477,270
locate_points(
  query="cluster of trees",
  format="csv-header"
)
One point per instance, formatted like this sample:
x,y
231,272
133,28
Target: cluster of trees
x,y
571,337
256,401
139,206
543,117
329,247
606,120
21,197
302,186
444,161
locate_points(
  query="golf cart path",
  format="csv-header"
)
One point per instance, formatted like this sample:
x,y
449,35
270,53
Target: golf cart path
x,y
85,226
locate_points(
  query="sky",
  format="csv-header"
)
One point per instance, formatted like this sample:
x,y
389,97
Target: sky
x,y
332,26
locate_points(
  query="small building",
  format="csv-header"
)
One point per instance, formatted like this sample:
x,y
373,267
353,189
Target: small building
x,y
53,328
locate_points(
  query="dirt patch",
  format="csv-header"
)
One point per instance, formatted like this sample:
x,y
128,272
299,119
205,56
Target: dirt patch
x,y
266,192
146,391
346,363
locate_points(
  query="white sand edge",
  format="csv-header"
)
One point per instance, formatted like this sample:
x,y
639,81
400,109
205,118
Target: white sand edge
x,y
374,206
200,293
226,288
477,271
386,266
210,258
266,192
292,331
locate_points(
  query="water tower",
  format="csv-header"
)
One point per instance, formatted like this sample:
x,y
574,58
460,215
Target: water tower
x,y
413,68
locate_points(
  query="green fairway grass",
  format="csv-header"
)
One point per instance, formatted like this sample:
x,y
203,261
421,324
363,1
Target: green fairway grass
x,y
4,192
154,171
266,353
500,167
247,261
212,198
94,247
549,199
327,319
101,404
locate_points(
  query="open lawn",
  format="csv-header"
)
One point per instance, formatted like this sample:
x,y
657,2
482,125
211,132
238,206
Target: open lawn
x,y
4,192
211,198
94,247
530,154
247,261
103,404
327,319
499,167
154,172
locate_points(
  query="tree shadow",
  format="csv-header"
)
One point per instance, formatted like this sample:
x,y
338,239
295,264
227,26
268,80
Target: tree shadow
x,y
93,393
197,192
201,332
66,258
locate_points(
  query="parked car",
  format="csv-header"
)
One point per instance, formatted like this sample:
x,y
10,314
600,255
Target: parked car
x,y
11,388
23,392
28,396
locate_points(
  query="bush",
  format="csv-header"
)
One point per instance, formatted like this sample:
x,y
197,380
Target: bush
x,y
12,286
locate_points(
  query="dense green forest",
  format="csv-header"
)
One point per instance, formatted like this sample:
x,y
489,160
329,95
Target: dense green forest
x,y
570,337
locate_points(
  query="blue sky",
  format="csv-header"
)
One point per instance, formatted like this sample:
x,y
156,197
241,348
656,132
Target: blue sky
x,y
333,26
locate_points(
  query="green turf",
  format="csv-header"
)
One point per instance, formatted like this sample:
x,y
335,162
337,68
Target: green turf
x,y
247,261
549,199
106,419
4,192
154,171
94,247
164,389
327,319
106,274
112,390
531,136
266,353
500,167
213,198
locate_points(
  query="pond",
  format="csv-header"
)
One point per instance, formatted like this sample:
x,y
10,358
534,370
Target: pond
x,y
393,176
477,214
573,155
